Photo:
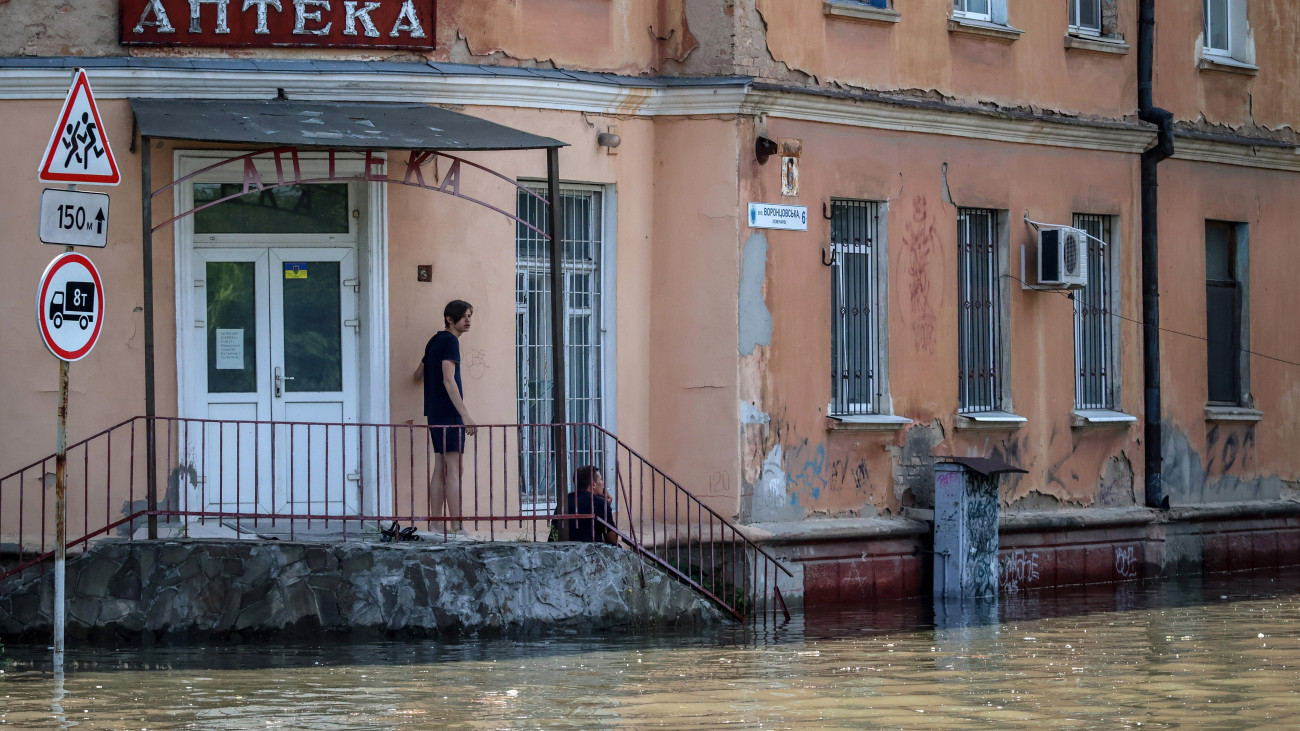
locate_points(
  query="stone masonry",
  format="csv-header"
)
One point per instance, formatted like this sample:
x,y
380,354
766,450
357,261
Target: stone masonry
x,y
196,589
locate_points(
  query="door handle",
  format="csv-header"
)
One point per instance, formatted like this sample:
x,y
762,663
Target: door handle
x,y
280,378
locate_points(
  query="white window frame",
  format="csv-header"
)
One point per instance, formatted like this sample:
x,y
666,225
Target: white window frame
x,y
1076,7
599,314
959,10
1211,50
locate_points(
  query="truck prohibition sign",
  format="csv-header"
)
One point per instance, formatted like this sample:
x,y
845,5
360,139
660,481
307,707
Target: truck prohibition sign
x,y
75,302
70,292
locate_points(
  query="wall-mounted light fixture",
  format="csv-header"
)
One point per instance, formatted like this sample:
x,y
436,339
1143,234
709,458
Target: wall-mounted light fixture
x,y
764,147
609,140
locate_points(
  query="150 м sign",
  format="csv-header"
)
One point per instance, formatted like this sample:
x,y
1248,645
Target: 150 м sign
x,y
277,23
74,218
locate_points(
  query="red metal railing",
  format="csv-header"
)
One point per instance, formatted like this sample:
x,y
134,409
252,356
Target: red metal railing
x,y
344,482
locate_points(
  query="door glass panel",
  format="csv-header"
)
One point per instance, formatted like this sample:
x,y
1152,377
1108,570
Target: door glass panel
x,y
287,209
313,353
232,327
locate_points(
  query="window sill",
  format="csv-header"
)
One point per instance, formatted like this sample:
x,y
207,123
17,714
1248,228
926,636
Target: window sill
x,y
1097,44
867,422
1232,414
850,10
1085,418
1226,65
983,28
990,421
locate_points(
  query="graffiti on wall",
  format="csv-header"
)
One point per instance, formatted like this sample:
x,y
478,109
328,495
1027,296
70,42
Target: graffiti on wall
x,y
1126,564
920,245
1019,569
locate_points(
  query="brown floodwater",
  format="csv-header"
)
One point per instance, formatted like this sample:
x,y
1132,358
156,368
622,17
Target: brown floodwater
x,y
1222,653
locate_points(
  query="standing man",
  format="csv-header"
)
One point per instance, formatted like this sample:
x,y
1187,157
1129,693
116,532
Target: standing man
x,y
444,407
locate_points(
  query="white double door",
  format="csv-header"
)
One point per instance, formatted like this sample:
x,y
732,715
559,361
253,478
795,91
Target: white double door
x,y
277,357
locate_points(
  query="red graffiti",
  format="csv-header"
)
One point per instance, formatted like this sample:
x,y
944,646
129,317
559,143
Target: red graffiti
x,y
920,241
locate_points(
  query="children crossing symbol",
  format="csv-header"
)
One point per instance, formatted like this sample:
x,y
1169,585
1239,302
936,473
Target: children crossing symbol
x,y
78,151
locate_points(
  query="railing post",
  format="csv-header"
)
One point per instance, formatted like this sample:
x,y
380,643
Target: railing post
x,y
150,409
558,416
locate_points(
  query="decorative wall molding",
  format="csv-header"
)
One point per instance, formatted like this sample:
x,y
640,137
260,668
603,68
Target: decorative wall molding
x,y
607,95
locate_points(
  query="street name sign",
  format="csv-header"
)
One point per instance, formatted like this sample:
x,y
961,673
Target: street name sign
x,y
777,215
70,306
78,150
74,218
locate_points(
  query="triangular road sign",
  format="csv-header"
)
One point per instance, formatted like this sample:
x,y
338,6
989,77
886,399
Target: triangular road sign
x,y
78,150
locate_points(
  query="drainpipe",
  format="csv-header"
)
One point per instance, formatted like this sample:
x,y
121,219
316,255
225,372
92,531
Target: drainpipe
x,y
1164,148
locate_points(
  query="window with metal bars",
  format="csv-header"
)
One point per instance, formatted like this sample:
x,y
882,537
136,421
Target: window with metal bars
x,y
855,308
583,239
979,312
1095,360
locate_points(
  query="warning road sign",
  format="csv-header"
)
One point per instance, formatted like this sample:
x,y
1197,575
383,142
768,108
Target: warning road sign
x,y
70,306
78,151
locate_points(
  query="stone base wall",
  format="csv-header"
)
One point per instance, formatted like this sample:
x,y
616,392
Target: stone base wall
x,y
209,589
864,562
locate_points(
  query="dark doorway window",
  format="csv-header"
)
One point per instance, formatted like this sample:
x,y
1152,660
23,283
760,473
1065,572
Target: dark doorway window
x,y
1223,308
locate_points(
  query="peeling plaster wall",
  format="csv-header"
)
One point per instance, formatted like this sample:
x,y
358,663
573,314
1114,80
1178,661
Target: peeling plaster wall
x,y
607,35
1266,100
1208,462
695,268
919,53
837,471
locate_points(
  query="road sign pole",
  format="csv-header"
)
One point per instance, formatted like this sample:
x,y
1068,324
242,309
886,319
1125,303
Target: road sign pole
x,y
60,519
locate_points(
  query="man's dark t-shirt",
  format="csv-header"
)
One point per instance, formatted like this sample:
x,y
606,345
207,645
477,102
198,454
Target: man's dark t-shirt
x,y
587,530
437,403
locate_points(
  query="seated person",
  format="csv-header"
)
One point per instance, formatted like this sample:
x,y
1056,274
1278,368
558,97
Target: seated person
x,y
590,497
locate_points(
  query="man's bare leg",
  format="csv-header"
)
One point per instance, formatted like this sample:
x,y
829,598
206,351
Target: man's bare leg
x,y
444,490
452,474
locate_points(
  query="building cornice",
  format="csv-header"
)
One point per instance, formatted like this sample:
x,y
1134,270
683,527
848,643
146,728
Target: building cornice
x,y
949,120
1267,155
603,94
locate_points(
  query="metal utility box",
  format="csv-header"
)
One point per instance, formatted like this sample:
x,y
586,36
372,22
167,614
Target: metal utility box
x,y
966,500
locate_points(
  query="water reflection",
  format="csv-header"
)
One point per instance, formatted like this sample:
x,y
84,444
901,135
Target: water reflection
x,y
1223,653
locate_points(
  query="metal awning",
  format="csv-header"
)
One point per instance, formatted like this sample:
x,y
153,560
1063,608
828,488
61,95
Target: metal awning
x,y
362,125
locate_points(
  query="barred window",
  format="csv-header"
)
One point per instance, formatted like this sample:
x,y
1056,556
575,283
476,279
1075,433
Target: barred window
x,y
855,308
583,244
979,300
1094,328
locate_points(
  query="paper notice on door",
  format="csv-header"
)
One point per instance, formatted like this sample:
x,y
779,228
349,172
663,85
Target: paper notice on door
x,y
230,349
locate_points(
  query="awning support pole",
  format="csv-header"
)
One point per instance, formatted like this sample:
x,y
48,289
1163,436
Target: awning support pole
x,y
557,331
150,406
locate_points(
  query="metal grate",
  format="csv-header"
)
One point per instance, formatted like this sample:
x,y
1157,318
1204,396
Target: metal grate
x,y
854,308
979,311
582,240
1094,329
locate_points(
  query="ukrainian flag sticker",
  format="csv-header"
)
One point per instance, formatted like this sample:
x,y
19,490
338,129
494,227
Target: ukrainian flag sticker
x,y
295,270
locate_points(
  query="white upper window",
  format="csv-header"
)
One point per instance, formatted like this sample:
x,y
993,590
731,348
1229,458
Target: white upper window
x,y
1085,16
1226,37
1218,24
974,9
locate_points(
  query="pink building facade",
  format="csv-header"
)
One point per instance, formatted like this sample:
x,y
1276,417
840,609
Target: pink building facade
x,y
805,381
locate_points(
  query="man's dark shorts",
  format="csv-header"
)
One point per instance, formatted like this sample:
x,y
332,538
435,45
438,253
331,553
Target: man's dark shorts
x,y
447,438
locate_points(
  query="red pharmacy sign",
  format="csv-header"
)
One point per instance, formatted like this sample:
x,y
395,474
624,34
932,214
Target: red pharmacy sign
x,y
278,23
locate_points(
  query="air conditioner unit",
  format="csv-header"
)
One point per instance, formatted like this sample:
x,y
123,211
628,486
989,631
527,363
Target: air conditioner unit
x,y
1062,258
